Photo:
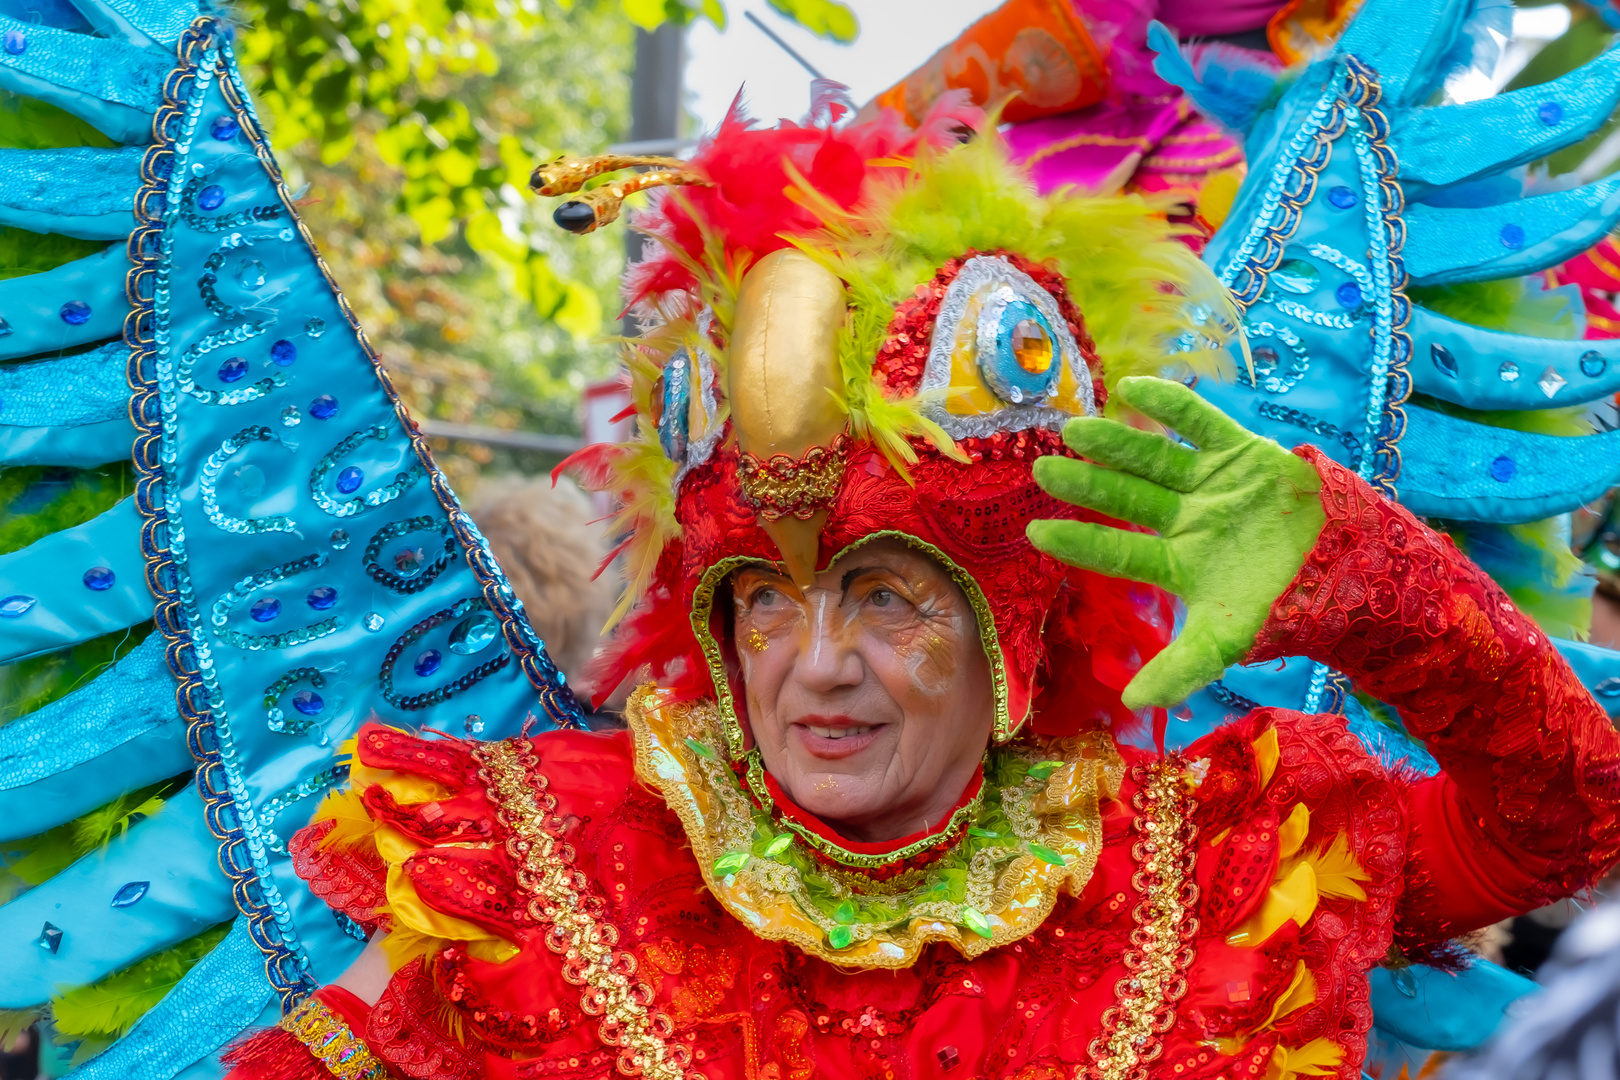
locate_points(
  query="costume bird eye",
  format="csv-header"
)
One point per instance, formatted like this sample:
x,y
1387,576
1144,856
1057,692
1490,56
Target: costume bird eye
x,y
1017,349
684,406
1005,353
675,416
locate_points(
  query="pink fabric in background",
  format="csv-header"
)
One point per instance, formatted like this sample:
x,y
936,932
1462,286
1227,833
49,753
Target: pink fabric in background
x,y
1201,18
1146,136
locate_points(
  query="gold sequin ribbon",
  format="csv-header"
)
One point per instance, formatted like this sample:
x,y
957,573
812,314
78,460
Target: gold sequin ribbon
x,y
1161,945
560,898
344,1053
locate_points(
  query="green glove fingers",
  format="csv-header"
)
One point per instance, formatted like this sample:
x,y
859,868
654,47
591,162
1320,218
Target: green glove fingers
x,y
1182,411
1143,453
1117,494
1235,518
1106,550
1193,661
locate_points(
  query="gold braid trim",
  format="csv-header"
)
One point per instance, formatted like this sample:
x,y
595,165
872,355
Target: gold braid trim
x,y
344,1054
1161,945
560,897
782,486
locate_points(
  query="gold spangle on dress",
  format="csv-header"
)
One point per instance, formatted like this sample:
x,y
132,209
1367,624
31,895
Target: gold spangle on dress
x,y
586,944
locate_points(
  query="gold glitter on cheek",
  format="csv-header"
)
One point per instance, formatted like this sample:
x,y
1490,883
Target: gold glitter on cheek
x,y
757,641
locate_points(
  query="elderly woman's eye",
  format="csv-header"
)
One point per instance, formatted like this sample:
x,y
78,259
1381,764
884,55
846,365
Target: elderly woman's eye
x,y
881,598
767,598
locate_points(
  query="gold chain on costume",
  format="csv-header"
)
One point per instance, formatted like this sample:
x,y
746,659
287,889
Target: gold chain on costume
x,y
329,1039
560,899
1161,945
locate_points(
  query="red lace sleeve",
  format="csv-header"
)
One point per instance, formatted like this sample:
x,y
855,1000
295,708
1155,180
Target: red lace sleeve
x,y
1528,806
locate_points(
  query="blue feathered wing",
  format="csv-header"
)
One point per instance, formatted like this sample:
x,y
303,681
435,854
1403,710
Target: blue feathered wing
x,y
308,562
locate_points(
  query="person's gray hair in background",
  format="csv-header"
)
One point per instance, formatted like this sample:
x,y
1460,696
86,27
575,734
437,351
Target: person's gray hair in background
x,y
550,546
1570,1029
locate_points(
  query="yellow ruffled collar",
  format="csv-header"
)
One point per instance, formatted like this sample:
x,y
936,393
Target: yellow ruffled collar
x,y
1037,832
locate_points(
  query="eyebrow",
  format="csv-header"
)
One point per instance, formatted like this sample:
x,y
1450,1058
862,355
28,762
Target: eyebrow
x,y
843,584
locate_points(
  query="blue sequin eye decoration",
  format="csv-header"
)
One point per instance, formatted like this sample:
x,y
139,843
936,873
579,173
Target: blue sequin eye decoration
x,y
224,128
675,401
16,42
324,407
1019,355
233,369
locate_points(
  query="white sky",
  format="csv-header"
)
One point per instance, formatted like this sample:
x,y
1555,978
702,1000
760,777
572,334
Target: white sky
x,y
896,36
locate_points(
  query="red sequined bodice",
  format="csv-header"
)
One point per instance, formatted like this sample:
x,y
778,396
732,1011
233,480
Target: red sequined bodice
x,y
1243,890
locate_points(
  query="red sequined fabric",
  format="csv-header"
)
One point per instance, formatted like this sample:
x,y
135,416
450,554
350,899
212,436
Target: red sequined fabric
x,y
1526,809
1380,597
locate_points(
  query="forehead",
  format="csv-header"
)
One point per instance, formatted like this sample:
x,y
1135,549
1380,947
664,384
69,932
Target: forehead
x,y
885,554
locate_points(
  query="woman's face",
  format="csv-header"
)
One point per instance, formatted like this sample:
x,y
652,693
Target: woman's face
x,y
869,694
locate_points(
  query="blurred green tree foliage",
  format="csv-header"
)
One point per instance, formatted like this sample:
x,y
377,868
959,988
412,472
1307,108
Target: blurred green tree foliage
x,y
415,125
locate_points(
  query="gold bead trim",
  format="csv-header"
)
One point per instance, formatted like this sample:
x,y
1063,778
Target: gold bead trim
x,y
560,898
329,1039
786,487
1161,945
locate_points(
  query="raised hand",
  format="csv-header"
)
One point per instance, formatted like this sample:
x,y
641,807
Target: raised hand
x,y
1235,517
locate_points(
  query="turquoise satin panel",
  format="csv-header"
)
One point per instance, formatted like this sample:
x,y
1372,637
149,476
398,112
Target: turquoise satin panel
x,y
1457,469
158,21
223,994
120,110
1449,245
79,192
32,306
1456,143
53,572
1437,1010
173,851
132,697
1597,668
1493,371
71,391
82,446
153,755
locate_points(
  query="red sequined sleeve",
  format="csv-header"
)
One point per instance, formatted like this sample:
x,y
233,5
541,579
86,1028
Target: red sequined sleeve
x,y
1527,808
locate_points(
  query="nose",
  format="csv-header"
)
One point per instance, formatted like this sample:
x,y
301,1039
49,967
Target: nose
x,y
828,661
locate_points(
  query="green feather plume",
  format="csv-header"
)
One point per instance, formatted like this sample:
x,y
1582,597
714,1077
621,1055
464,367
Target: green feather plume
x,y
108,1008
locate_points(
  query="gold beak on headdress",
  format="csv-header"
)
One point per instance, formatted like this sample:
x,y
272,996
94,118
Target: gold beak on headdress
x,y
783,373
599,206
783,382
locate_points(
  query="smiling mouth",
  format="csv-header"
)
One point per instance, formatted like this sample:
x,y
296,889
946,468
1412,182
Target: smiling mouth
x,y
836,736
837,732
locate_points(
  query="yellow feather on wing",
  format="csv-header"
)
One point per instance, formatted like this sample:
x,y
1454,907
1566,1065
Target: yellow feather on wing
x,y
1338,874
1319,1057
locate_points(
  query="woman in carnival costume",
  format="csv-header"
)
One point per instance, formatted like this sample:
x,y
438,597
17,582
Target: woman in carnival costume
x,y
879,813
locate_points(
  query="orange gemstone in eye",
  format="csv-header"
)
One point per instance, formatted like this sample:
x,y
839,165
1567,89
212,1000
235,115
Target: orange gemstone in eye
x,y
1032,347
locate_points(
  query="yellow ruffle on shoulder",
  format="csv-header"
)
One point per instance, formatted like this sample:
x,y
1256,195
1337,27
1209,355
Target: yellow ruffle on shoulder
x,y
414,928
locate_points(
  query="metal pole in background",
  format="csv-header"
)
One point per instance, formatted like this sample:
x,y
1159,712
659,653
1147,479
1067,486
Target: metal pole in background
x,y
657,108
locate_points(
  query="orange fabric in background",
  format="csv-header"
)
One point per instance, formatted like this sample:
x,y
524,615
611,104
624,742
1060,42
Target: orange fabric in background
x,y
1304,28
1035,54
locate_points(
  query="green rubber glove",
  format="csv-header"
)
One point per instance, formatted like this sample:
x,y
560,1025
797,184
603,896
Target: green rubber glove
x,y
1235,519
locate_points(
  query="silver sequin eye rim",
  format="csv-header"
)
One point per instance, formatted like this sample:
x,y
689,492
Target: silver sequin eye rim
x,y
1014,312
